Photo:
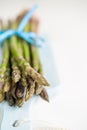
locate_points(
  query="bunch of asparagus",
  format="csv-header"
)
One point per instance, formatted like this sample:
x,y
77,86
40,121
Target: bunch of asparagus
x,y
21,70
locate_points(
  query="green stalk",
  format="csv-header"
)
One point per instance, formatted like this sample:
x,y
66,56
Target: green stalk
x,y
31,86
3,66
4,72
39,90
26,50
17,76
23,77
7,82
34,55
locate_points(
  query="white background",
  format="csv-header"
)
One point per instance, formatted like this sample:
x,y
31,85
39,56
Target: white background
x,y
65,22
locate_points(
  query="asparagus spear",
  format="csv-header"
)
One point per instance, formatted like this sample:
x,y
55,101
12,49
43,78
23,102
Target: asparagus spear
x,y
7,82
39,90
4,63
34,53
42,91
26,50
35,65
3,67
21,89
17,76
31,86
26,53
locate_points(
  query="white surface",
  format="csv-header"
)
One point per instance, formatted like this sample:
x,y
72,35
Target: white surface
x,y
65,22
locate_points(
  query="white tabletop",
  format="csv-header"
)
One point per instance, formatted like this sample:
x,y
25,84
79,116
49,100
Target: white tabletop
x,y
65,23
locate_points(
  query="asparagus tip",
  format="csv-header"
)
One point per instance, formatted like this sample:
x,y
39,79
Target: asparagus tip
x,y
44,95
